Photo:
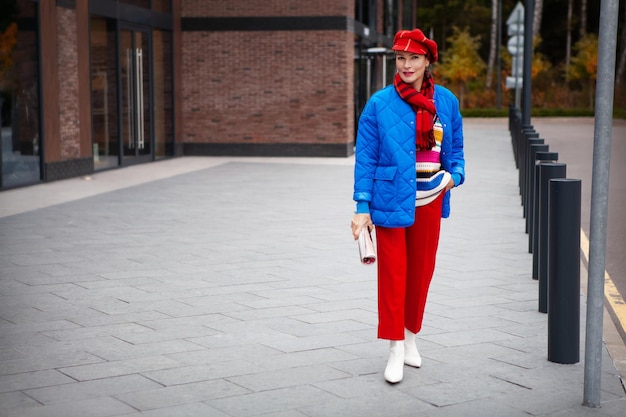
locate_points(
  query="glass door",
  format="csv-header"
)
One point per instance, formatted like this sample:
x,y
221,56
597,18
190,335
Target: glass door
x,y
135,91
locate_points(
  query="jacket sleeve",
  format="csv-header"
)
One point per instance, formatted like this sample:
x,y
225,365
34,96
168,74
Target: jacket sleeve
x,y
367,153
458,154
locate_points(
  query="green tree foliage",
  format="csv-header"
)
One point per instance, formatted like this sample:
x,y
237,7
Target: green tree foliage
x,y
540,62
551,88
462,62
438,18
584,65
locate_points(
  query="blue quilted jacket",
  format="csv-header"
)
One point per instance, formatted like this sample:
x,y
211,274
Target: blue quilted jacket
x,y
384,172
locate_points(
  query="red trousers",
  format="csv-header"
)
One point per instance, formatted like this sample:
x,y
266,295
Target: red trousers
x,y
406,263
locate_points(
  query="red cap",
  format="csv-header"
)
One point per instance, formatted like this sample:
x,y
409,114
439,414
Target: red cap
x,y
416,42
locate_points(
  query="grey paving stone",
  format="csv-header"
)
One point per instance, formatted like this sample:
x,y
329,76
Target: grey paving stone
x,y
269,312
79,391
114,349
467,337
368,385
102,319
50,360
205,372
280,400
479,408
9,353
295,327
14,402
197,409
321,356
251,352
97,407
181,333
118,330
312,342
389,401
182,394
284,378
238,337
335,315
118,368
19,382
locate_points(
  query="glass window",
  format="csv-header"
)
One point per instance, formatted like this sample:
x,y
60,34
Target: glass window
x,y
19,93
105,136
163,99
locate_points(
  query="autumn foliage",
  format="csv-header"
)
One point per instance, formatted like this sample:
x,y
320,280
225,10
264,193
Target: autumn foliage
x,y
8,40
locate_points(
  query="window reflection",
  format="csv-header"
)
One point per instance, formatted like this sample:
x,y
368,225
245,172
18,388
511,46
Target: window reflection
x,y
19,93
104,93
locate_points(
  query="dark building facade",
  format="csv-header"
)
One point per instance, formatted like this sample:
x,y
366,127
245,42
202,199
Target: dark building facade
x,y
90,85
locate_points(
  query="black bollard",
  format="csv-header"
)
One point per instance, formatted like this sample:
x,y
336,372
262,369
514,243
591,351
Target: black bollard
x,y
540,157
528,163
530,189
521,138
547,171
516,128
564,271
527,133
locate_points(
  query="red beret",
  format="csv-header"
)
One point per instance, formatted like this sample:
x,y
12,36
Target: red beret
x,y
416,42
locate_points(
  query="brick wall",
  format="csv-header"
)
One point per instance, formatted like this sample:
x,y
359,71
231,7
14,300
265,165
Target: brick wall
x,y
68,83
268,87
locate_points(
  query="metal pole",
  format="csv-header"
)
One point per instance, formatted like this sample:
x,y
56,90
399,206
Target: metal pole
x,y
368,73
607,45
384,70
529,12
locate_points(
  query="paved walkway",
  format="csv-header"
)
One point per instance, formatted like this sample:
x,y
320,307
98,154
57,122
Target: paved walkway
x,y
231,287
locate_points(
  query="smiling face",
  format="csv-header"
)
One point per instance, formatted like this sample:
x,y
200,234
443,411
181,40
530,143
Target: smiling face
x,y
411,68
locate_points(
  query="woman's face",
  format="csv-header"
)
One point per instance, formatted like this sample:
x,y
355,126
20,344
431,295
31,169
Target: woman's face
x,y
411,68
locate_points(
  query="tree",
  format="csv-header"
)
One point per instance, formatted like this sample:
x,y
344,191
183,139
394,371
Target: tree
x,y
622,58
8,40
584,64
462,62
537,17
492,42
583,18
568,41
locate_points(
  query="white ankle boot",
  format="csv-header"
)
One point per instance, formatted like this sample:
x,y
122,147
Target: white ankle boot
x,y
395,365
411,355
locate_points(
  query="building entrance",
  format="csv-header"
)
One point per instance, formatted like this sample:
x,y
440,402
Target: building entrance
x,y
131,92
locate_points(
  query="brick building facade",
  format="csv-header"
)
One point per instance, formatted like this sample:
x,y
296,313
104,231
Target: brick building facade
x,y
121,82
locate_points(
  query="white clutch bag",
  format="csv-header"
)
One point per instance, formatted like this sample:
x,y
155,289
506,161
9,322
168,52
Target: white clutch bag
x,y
367,251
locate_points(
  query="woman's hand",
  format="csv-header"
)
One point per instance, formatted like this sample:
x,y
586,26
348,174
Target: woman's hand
x,y
360,221
450,185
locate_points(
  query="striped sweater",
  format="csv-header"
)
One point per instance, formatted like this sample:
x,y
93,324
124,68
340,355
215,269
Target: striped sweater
x,y
431,179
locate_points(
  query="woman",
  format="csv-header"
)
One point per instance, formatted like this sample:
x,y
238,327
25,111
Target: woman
x,y
409,154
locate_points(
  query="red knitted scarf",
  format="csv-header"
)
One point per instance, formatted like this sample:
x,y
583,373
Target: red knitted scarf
x,y
424,106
